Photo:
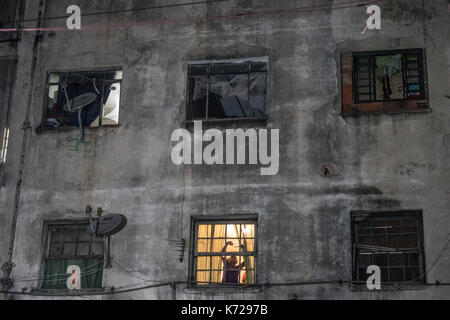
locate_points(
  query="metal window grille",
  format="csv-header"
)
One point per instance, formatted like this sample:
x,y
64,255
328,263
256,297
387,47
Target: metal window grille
x,y
391,240
388,76
69,243
73,241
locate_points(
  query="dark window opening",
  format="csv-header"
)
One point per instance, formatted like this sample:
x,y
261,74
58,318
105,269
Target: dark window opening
x,y
71,245
391,240
97,93
224,252
227,90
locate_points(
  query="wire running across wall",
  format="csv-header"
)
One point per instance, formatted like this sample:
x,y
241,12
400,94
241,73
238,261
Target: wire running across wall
x,y
99,13
85,272
174,284
248,14
439,256
132,288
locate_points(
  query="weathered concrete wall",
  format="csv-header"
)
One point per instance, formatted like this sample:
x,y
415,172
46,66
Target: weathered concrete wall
x,y
391,161
7,70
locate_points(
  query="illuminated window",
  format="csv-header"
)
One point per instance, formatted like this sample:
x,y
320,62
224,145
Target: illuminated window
x,y
69,244
96,93
391,240
224,252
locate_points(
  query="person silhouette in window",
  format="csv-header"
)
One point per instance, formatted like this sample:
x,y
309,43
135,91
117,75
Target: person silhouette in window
x,y
231,269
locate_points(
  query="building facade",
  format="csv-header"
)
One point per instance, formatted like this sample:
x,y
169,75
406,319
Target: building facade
x,y
364,138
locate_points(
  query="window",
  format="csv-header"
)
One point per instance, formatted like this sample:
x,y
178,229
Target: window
x,y
69,244
227,90
4,150
96,93
224,252
384,81
391,240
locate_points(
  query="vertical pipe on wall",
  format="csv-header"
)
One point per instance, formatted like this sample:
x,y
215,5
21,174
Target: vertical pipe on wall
x,y
26,131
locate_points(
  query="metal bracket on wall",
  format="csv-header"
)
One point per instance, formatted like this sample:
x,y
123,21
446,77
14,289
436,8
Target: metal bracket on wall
x,y
180,245
327,170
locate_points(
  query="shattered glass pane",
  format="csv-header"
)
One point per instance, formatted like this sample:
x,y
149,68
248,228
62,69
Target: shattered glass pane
x,y
392,243
230,91
65,89
228,96
199,86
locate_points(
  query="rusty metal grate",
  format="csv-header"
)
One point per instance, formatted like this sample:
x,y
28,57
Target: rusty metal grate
x,y
388,76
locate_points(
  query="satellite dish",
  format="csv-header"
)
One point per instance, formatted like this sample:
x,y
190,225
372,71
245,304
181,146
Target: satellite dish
x,y
80,102
107,225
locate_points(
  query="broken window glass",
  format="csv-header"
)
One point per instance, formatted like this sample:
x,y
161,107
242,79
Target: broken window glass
x,y
89,97
231,90
391,241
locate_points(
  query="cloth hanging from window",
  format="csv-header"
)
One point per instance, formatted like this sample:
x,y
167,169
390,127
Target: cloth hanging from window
x,y
55,276
218,231
387,91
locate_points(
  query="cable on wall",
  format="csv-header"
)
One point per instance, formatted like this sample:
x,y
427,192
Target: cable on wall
x,y
342,5
125,10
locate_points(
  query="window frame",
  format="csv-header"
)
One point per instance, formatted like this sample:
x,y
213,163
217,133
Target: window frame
x,y
43,125
397,214
372,55
249,61
223,219
61,223
352,106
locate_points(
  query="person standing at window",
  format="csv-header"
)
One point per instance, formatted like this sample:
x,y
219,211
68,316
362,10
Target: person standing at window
x,y
231,269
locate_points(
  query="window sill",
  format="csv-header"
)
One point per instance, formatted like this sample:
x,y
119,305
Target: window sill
x,y
261,119
228,123
389,287
48,130
70,293
215,289
377,113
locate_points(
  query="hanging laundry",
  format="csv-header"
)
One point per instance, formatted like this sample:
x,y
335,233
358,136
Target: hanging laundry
x,y
386,86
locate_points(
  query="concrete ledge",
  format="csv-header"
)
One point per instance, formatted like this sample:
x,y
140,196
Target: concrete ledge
x,y
378,113
212,290
390,288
